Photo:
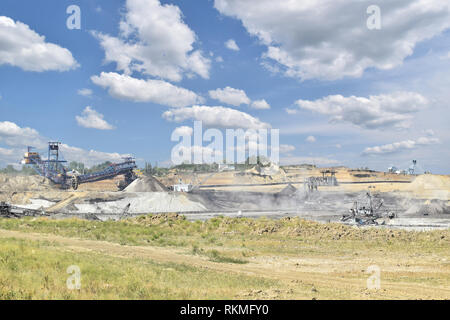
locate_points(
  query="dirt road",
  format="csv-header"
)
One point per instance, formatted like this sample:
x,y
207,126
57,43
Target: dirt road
x,y
330,277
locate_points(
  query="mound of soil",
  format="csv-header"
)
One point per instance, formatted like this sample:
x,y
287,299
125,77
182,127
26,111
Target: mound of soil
x,y
288,191
11,183
431,182
429,208
146,184
431,186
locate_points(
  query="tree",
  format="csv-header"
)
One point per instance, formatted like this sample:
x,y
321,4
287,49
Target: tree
x,y
78,166
148,170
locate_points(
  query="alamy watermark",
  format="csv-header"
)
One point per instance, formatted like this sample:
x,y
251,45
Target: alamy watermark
x,y
74,280
74,20
374,280
374,20
239,146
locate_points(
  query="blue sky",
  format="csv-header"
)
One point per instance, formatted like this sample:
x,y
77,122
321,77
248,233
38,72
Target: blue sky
x,y
340,94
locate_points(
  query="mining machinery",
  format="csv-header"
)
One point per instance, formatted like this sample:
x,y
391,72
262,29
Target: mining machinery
x,y
53,169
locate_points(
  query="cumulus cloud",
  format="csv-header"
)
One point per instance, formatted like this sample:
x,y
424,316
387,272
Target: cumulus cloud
x,y
85,92
329,39
384,110
219,117
310,139
231,44
260,104
183,131
138,90
154,40
93,119
231,96
286,148
399,146
13,135
291,111
9,156
20,138
90,157
24,48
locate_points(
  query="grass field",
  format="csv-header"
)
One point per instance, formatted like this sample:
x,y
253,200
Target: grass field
x,y
167,257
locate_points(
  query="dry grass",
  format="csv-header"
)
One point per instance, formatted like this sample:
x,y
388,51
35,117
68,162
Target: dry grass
x,y
239,258
37,270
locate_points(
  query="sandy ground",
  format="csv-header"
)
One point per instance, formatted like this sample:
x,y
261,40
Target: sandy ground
x,y
420,201
323,273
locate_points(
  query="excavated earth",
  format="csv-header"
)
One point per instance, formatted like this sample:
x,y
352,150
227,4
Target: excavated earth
x,y
422,204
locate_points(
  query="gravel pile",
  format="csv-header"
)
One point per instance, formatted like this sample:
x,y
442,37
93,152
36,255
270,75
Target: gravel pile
x,y
147,184
143,202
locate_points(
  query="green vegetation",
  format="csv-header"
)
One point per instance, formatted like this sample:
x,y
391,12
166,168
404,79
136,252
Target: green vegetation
x,y
240,236
38,270
213,167
155,170
78,166
221,258
190,167
25,170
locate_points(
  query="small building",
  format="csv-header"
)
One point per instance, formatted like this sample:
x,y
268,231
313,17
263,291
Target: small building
x,y
182,187
226,167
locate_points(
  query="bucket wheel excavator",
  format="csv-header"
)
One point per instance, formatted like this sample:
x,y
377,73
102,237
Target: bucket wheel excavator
x,y
53,169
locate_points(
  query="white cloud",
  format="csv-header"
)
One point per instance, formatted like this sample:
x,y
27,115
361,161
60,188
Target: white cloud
x,y
339,146
6,152
399,146
137,90
271,67
85,92
286,148
219,117
24,48
384,110
13,135
231,44
424,141
231,96
310,139
93,119
260,104
291,111
20,138
154,40
9,156
183,131
219,59
90,157
329,39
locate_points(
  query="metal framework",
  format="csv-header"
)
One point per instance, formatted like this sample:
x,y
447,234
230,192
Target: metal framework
x,y
368,212
312,183
54,170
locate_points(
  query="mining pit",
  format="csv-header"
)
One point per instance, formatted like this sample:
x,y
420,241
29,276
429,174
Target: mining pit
x,y
414,202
